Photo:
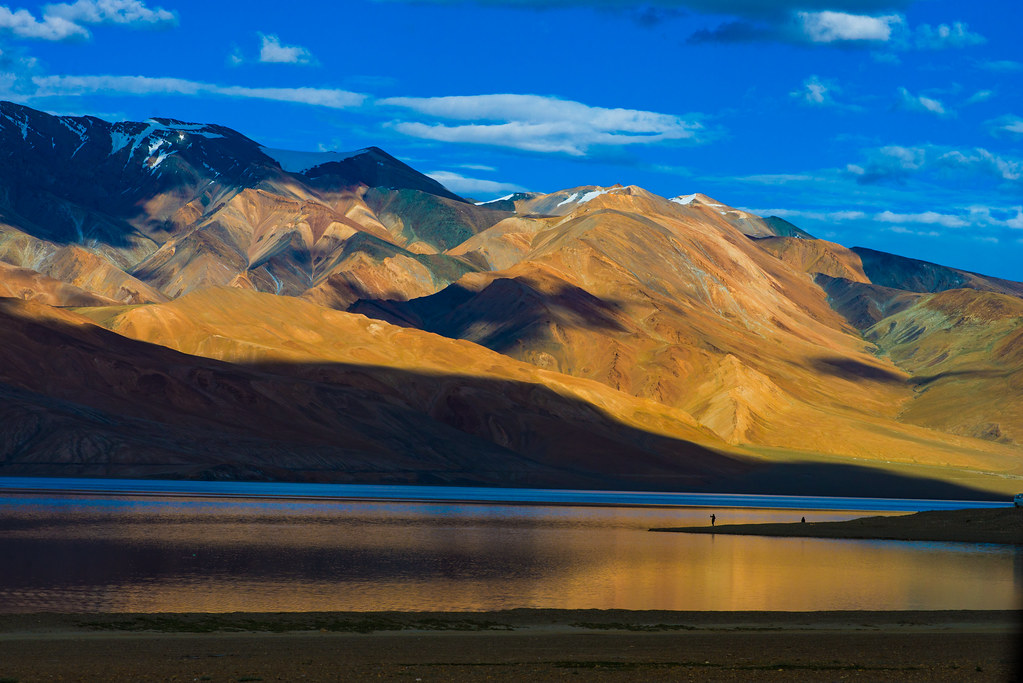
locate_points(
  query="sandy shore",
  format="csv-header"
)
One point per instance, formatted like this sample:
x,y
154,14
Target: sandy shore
x,y
516,645
998,525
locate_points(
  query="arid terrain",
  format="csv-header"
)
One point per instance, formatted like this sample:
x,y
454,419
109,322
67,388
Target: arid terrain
x,y
183,302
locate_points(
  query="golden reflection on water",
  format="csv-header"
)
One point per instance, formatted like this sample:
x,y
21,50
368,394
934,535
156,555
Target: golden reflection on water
x,y
174,555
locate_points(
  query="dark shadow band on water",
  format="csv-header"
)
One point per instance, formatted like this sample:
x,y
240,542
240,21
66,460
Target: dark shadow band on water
x,y
469,494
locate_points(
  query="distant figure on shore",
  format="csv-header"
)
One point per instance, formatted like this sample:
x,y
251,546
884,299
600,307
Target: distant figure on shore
x,y
803,520
712,518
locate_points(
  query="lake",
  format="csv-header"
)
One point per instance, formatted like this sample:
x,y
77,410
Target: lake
x,y
198,546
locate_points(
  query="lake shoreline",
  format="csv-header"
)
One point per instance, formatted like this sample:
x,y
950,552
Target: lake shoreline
x,y
998,525
521,644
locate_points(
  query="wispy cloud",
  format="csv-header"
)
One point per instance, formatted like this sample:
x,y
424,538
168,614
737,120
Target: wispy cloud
x,y
1002,65
133,12
945,36
273,51
980,96
747,8
1006,125
539,124
814,91
22,24
910,102
68,21
896,164
820,92
923,218
807,214
51,86
1006,217
473,186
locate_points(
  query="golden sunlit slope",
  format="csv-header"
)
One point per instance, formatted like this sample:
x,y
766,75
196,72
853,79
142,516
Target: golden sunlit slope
x,y
816,257
503,244
965,351
692,314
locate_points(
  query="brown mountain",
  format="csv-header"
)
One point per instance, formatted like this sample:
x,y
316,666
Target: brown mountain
x,y
692,314
595,336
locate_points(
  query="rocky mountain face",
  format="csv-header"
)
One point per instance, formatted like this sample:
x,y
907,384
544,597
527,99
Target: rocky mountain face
x,y
185,302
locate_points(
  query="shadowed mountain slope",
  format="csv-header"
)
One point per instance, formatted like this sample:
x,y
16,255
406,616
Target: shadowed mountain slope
x,y
899,272
438,411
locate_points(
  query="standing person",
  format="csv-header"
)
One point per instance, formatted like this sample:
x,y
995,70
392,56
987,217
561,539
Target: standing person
x,y
712,518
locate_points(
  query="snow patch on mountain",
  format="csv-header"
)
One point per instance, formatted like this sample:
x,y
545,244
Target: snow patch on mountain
x,y
684,199
499,199
127,134
593,194
571,198
20,122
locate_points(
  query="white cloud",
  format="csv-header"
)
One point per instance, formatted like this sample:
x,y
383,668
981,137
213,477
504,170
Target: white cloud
x,y
460,184
272,51
924,218
49,86
1012,217
980,96
1006,65
944,36
830,27
897,163
814,91
824,216
818,92
540,124
911,102
1009,124
1017,222
23,24
65,21
110,12
982,160
777,178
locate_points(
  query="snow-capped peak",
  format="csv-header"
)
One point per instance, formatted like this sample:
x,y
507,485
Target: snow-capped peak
x,y
584,195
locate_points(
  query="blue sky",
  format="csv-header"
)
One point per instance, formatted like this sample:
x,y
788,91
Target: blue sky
x,y
891,124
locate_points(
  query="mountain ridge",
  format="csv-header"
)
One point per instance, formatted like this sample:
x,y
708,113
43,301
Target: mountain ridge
x,y
705,341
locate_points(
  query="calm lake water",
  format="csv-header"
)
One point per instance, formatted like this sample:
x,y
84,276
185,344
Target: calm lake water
x,y
101,551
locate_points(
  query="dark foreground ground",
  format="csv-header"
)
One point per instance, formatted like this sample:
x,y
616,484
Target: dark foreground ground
x,y
517,645
997,525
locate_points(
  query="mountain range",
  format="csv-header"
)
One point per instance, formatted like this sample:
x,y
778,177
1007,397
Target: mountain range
x,y
180,301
